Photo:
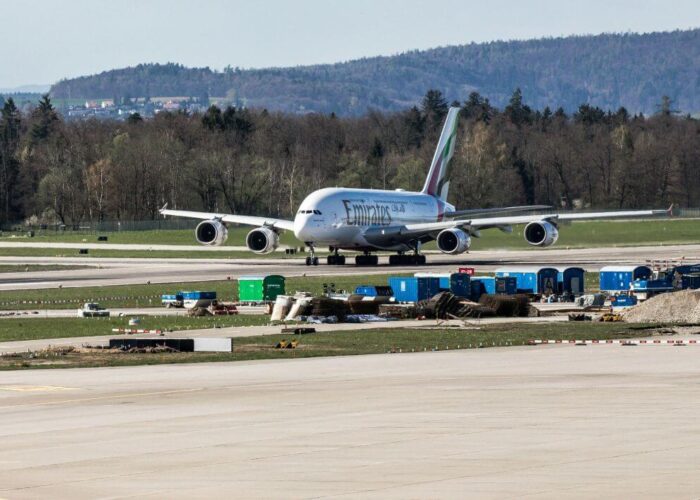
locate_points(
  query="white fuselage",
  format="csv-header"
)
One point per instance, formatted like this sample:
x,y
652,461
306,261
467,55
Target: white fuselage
x,y
340,217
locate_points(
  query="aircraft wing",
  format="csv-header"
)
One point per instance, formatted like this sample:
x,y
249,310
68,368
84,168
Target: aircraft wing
x,y
475,224
476,212
246,220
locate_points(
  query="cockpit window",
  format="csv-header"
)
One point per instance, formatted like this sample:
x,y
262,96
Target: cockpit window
x,y
317,212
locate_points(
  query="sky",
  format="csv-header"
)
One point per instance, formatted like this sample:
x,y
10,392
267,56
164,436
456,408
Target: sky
x,y
43,41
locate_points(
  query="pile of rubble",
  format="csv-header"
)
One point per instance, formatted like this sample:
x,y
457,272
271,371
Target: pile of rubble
x,y
677,307
446,305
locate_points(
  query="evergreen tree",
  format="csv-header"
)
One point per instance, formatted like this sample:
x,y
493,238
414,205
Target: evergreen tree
x,y
517,112
45,117
434,108
10,123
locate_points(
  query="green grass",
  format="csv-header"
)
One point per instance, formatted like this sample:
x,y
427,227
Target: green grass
x,y
22,268
13,329
144,254
578,234
351,342
149,295
603,233
236,237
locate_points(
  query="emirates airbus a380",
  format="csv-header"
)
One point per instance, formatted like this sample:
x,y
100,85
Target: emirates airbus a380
x,y
370,220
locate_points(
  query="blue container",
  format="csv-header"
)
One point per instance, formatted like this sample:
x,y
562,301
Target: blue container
x,y
374,291
198,295
623,301
481,285
532,279
506,285
457,283
690,282
414,289
460,284
619,278
571,280
686,269
171,299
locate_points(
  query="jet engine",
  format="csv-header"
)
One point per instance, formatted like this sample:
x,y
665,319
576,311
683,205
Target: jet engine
x,y
211,232
541,234
453,241
262,240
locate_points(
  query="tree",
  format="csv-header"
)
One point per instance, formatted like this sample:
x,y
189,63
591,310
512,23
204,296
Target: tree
x,y
434,108
45,117
518,113
10,124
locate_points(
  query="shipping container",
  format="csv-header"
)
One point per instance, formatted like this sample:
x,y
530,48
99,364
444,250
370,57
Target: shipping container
x,y
172,300
570,280
687,269
197,299
374,291
414,289
621,301
690,282
532,279
619,278
481,285
260,288
506,285
457,283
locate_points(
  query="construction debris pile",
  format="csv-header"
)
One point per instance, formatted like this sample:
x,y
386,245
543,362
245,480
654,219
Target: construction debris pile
x,y
677,307
446,305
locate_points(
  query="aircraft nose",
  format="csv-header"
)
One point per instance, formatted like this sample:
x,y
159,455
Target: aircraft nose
x,y
301,228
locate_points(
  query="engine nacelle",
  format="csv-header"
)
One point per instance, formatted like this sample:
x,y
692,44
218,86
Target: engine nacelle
x,y
262,240
211,232
541,234
453,241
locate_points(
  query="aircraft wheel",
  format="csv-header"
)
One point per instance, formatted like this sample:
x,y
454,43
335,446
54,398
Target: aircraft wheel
x,y
308,261
314,261
366,260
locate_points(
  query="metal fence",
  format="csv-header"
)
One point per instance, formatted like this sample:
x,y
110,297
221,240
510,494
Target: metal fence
x,y
100,227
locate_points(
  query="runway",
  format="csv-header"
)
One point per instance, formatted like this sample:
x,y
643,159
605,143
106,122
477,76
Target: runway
x,y
125,271
542,422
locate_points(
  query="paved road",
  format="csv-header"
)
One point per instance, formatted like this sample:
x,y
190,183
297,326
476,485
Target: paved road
x,y
541,422
118,271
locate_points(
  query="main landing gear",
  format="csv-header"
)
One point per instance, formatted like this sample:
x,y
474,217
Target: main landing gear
x,y
366,260
407,260
335,259
311,260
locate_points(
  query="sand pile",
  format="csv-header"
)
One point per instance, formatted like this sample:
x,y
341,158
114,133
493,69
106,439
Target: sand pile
x,y
677,307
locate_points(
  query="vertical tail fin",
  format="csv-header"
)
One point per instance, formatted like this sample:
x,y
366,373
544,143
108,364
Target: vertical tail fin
x,y
437,183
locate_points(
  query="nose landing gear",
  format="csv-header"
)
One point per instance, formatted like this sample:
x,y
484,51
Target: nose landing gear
x,y
311,260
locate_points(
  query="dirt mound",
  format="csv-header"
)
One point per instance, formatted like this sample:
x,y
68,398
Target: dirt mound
x,y
676,307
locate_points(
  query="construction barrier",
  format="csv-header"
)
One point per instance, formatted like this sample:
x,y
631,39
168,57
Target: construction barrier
x,y
618,341
129,331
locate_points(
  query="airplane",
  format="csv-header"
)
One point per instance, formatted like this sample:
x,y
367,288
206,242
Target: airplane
x,y
371,220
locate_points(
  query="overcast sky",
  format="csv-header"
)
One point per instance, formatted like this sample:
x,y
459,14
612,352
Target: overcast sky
x,y
42,41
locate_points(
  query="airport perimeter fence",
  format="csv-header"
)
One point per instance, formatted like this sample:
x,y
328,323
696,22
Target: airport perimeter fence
x,y
107,227
96,228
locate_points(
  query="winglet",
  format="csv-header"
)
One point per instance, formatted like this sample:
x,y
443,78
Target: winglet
x,y
163,208
669,212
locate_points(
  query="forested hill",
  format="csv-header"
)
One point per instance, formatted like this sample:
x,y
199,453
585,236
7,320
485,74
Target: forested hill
x,y
608,71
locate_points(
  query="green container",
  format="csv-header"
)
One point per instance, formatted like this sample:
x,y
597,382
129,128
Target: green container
x,y
260,288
